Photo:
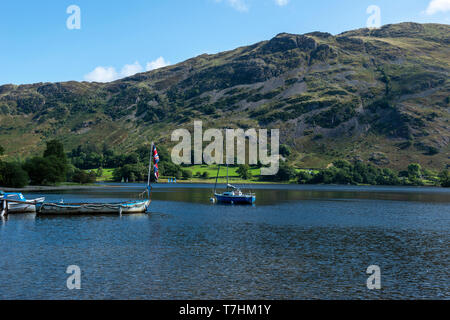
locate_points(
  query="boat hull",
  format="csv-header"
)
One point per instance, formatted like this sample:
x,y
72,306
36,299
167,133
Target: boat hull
x,y
244,199
28,207
56,209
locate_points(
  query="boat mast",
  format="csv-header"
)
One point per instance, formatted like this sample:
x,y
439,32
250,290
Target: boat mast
x,y
217,177
227,175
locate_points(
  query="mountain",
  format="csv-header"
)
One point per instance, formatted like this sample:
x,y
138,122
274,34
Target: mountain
x,y
377,95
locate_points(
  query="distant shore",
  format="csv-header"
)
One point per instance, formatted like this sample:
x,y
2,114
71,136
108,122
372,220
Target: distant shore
x,y
51,188
108,184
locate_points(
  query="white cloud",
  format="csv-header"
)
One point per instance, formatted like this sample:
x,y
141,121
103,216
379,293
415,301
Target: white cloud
x,y
102,74
108,74
239,5
281,3
131,69
436,6
156,64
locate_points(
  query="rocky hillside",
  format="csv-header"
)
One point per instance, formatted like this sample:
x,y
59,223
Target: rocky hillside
x,y
377,95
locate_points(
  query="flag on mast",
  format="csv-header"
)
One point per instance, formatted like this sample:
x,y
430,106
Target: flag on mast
x,y
155,161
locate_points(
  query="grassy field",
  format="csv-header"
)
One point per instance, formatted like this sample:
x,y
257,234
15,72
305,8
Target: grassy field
x,y
233,177
107,175
212,171
198,170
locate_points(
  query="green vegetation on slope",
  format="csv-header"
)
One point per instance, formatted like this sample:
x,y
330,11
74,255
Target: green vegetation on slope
x,y
380,96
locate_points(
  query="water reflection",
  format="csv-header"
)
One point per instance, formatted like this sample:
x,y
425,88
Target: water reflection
x,y
266,194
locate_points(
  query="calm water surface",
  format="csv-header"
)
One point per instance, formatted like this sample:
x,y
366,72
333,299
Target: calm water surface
x,y
295,243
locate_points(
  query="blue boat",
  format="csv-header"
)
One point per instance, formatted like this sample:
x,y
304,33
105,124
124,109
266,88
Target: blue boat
x,y
232,195
17,203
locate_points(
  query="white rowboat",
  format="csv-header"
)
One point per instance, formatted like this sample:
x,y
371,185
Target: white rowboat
x,y
131,207
22,205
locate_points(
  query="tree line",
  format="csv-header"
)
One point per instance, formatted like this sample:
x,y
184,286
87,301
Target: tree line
x,y
51,168
137,170
344,172
55,166
130,167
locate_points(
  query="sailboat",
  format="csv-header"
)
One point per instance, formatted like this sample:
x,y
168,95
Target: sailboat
x,y
129,207
232,195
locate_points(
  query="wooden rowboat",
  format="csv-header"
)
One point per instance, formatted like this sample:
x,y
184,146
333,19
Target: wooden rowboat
x,y
131,207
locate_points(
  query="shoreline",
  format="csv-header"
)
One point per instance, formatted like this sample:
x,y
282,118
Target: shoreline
x,y
105,184
51,188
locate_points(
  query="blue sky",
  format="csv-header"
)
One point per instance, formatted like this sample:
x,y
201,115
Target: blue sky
x,y
118,38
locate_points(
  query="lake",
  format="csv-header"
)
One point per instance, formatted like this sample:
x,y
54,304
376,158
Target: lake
x,y
296,242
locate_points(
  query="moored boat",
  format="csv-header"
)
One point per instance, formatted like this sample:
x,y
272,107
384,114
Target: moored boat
x,y
232,195
17,203
131,207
